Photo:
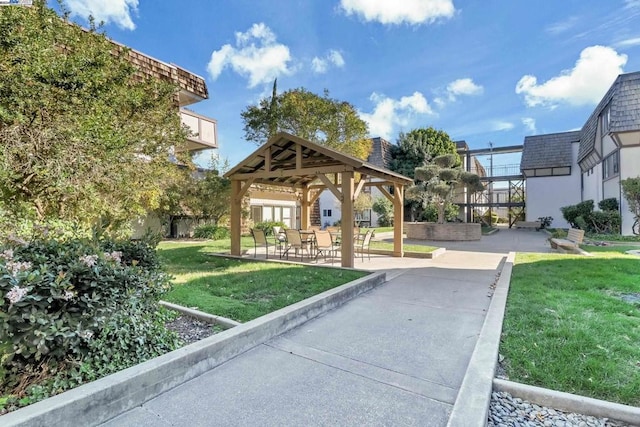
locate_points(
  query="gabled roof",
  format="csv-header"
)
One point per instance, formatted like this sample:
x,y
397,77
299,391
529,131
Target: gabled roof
x,y
380,153
548,151
292,161
623,98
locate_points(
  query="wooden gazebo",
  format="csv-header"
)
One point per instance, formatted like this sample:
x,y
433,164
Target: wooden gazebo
x,y
309,168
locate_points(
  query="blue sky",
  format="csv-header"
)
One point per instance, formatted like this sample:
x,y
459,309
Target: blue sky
x,y
483,71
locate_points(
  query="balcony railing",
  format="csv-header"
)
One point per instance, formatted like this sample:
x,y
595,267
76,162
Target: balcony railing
x,y
499,170
204,130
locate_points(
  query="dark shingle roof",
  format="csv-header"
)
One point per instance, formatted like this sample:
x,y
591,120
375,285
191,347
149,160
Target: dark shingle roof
x,y
548,151
624,99
380,153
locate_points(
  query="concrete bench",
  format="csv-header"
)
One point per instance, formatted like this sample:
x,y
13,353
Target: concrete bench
x,y
529,224
572,242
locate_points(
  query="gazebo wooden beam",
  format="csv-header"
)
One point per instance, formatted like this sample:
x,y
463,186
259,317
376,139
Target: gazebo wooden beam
x,y
284,173
236,217
398,220
328,184
244,188
347,219
385,193
363,179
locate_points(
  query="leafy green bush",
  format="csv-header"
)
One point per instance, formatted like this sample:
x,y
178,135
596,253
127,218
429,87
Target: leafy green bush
x,y
583,216
75,309
267,226
430,212
494,217
605,222
571,212
610,204
384,208
210,231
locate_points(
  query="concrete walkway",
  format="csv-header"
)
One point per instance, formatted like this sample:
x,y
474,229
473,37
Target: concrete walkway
x,y
396,355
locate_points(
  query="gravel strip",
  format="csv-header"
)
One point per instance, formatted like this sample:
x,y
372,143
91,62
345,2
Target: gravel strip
x,y
191,330
506,410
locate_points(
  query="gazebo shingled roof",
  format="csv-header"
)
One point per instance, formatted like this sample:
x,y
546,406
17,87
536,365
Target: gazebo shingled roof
x,y
287,160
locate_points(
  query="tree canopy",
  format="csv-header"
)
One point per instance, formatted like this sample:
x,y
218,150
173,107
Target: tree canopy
x,y
319,119
416,148
84,137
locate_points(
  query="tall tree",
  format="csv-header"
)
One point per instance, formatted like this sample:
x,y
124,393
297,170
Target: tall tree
x,y
416,148
319,119
83,136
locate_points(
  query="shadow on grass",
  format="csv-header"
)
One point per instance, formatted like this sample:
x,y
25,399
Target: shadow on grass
x,y
568,328
243,289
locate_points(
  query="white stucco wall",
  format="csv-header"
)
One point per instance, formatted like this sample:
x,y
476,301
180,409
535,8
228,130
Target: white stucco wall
x,y
329,201
629,168
592,184
546,195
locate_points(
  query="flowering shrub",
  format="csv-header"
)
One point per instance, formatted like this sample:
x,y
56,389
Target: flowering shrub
x,y
77,309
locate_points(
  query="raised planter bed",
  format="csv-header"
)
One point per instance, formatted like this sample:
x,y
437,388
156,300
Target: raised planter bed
x,y
452,231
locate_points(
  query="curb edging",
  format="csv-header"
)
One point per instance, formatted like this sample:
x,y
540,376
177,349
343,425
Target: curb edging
x,y
570,402
200,315
472,403
101,400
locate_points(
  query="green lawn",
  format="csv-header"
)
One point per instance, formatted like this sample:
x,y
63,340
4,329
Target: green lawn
x,y
567,327
241,289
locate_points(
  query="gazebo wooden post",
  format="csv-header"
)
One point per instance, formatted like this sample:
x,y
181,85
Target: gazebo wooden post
x,y
398,220
305,209
347,219
236,216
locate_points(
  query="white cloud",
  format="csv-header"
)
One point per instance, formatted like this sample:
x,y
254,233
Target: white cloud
x,y
257,56
584,84
389,112
630,4
635,41
464,86
321,65
499,125
117,11
562,26
529,124
412,12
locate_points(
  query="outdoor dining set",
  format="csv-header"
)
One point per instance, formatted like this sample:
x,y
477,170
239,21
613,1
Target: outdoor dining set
x,y
315,242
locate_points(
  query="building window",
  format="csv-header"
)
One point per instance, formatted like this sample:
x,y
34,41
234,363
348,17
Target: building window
x,y
606,120
326,212
610,166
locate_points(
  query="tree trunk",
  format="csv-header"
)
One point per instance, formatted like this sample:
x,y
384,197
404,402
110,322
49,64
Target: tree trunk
x,y
441,213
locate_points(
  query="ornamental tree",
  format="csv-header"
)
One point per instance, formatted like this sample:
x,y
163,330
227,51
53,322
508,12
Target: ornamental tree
x,y
438,180
84,137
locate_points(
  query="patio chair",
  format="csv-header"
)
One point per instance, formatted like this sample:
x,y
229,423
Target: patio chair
x,y
363,245
295,241
280,239
260,239
324,245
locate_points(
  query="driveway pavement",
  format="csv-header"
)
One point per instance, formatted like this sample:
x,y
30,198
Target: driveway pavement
x,y
396,355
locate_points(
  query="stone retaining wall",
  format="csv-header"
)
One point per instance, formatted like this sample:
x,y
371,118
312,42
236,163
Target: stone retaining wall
x,y
453,231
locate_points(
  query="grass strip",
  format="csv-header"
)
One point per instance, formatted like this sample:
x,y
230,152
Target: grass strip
x,y
572,325
241,289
